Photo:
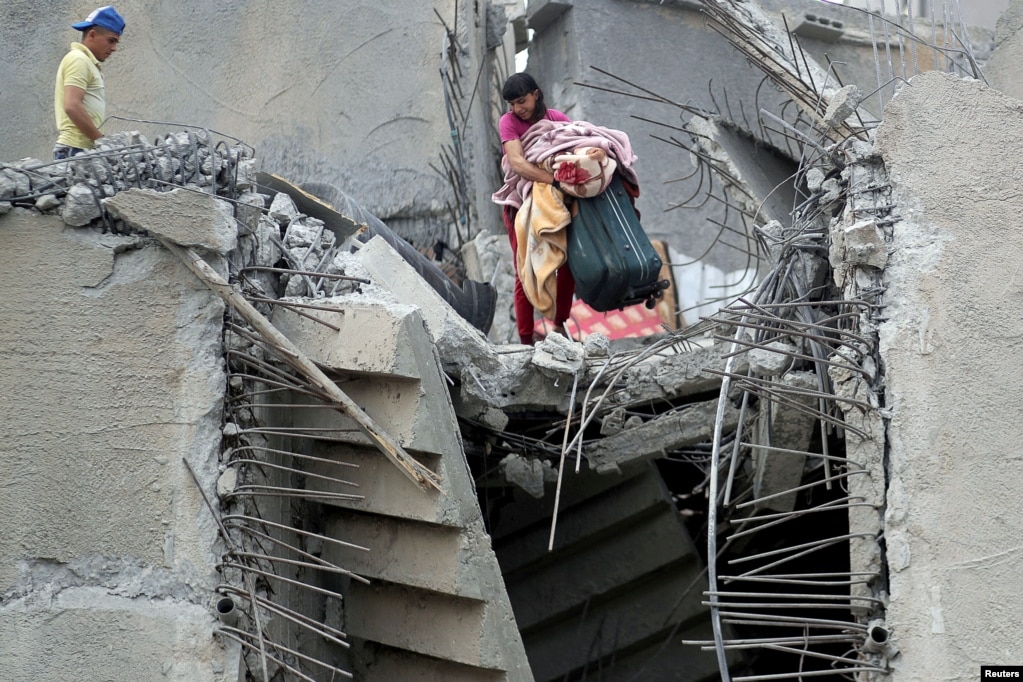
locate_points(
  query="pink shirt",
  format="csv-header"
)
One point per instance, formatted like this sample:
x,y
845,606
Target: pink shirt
x,y
512,127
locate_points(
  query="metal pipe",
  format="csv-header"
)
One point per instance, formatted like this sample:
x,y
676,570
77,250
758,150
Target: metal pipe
x,y
226,611
877,637
311,624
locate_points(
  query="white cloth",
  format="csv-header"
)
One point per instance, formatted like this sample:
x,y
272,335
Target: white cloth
x,y
581,175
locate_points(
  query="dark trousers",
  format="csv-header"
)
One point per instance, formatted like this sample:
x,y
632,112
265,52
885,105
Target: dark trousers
x,y
62,151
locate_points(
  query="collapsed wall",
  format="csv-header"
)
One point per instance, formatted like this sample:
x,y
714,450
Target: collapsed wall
x,y
914,606
250,547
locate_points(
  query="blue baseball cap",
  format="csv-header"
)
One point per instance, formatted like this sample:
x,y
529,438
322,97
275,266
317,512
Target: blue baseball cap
x,y
104,17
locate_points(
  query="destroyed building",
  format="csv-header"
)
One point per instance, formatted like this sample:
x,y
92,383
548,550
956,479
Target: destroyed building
x,y
259,426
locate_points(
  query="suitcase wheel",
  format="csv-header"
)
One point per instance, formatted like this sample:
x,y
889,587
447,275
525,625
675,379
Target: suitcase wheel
x,y
657,293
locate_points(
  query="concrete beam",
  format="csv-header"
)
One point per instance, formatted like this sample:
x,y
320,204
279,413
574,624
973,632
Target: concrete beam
x,y
457,341
363,340
662,434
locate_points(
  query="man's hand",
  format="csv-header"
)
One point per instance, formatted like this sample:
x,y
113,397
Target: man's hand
x,y
74,107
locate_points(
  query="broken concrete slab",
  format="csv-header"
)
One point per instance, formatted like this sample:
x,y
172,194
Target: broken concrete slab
x,y
81,206
399,403
557,356
509,381
844,103
528,474
187,218
772,360
334,335
672,374
458,342
657,436
859,244
777,471
417,555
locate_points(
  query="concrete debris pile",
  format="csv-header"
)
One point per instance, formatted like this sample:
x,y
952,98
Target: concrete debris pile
x,y
74,188
307,246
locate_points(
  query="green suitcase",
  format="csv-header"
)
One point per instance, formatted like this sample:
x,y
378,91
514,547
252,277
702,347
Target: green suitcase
x,y
611,258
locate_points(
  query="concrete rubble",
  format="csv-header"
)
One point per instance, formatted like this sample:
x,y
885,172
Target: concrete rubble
x,y
498,382
826,424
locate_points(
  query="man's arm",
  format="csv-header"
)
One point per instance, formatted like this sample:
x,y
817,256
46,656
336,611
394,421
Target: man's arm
x,y
518,163
74,107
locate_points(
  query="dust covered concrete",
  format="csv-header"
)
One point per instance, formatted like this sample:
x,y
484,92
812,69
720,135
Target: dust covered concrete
x,y
112,374
951,346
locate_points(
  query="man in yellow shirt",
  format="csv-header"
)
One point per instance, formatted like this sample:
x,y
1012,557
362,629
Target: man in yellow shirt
x,y
79,100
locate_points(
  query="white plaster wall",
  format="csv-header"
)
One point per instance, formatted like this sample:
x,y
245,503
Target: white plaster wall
x,y
953,366
110,375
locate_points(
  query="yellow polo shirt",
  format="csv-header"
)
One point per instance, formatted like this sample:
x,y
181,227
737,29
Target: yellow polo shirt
x,y
81,69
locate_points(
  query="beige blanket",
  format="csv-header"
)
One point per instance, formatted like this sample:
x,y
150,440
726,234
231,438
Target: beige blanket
x,y
542,243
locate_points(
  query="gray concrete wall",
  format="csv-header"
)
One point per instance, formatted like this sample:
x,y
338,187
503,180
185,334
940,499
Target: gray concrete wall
x,y
975,12
1002,70
985,13
109,353
951,348
348,93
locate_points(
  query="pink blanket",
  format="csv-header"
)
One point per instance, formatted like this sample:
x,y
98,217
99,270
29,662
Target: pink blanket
x,y
546,139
